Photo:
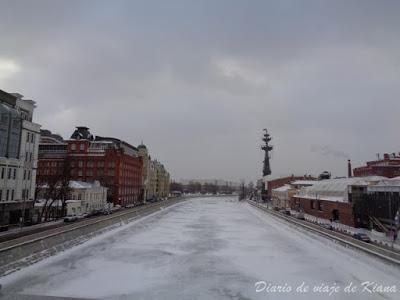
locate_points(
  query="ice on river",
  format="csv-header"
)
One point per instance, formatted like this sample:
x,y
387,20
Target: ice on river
x,y
208,248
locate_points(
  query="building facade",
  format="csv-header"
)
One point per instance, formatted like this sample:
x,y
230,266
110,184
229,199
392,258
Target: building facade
x,y
377,206
389,167
156,179
92,196
144,154
279,182
331,199
19,139
113,162
281,197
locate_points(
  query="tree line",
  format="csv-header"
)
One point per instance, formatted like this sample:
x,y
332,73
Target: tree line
x,y
195,187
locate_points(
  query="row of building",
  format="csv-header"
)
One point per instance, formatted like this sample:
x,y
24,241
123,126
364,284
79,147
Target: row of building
x,y
33,160
367,200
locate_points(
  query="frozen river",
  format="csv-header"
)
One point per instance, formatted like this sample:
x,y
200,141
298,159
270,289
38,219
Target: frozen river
x,y
207,248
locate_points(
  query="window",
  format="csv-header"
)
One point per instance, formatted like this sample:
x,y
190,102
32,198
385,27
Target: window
x,y
312,204
80,173
15,174
9,174
1,195
29,175
7,194
24,174
81,147
73,146
2,173
32,137
30,156
319,206
27,137
80,164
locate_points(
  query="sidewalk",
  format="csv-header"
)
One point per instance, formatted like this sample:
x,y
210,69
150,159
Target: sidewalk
x,y
18,230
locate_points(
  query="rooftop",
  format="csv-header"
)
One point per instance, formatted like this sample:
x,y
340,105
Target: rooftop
x,y
74,184
336,189
303,182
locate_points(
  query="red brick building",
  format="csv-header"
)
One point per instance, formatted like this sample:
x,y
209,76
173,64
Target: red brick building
x,y
331,199
325,209
114,163
389,167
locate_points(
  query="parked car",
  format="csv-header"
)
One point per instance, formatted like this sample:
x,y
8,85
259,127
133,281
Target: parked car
x,y
362,237
299,216
285,211
326,226
70,218
3,228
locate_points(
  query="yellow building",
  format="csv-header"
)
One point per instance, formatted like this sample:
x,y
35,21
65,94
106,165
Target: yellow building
x,y
156,179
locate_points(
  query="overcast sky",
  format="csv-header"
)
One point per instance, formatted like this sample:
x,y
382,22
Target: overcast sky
x,y
198,80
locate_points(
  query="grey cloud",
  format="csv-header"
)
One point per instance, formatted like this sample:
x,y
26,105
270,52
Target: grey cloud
x,y
198,80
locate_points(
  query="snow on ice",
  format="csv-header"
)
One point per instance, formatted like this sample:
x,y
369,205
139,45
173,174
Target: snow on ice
x,y
208,248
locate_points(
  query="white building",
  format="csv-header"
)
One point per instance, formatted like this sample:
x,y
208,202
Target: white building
x,y
91,195
280,196
84,198
19,140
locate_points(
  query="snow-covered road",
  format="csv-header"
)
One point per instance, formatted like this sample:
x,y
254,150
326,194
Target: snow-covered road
x,y
207,248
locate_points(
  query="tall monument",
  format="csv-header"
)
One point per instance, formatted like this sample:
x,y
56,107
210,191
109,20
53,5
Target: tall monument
x,y
266,148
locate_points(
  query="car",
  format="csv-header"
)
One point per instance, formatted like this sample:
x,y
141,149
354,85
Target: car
x,y
299,216
284,211
362,237
326,226
70,218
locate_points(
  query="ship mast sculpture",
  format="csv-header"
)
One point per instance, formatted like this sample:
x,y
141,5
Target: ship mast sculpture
x,y
266,148
267,167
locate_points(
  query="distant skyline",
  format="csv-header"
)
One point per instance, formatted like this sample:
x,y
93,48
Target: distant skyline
x,y
197,81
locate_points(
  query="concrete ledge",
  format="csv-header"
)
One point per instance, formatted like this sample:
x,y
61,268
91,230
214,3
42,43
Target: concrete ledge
x,y
347,241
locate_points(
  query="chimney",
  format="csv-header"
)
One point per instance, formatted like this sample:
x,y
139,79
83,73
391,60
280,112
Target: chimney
x,y
349,168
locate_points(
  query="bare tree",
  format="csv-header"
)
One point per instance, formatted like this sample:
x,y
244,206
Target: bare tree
x,y
54,187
